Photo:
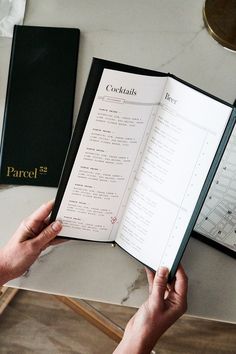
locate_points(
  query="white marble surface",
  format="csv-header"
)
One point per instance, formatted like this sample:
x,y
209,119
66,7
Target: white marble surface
x,y
161,35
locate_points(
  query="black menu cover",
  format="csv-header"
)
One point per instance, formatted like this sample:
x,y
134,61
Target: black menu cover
x,y
38,113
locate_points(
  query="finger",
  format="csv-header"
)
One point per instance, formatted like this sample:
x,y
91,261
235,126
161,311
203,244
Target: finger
x,y
160,283
150,278
54,242
181,282
167,294
47,235
42,212
34,223
171,286
44,224
47,220
169,289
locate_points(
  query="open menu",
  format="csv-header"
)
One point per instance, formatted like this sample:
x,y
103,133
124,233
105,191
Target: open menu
x,y
144,152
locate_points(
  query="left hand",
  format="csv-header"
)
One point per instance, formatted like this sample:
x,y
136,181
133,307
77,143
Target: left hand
x,y
32,237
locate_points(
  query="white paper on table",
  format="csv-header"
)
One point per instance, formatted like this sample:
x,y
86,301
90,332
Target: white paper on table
x,y
11,13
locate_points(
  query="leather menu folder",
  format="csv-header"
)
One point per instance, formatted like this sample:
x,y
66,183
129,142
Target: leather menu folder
x,y
38,115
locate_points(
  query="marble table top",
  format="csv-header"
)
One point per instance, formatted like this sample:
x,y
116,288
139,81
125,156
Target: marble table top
x,y
167,36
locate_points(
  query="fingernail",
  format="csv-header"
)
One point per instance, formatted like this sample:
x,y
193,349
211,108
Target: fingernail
x,y
56,225
163,272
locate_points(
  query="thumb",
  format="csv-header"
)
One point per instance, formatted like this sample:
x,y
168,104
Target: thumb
x,y
47,235
160,283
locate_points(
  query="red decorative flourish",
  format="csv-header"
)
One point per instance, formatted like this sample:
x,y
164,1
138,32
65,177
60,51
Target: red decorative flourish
x,y
113,219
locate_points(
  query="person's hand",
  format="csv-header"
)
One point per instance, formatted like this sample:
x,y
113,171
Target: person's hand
x,y
165,304
32,237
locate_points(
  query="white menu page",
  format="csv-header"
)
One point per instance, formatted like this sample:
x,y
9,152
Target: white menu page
x,y
109,154
184,138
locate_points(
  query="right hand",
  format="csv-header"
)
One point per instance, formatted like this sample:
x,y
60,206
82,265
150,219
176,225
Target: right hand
x,y
165,304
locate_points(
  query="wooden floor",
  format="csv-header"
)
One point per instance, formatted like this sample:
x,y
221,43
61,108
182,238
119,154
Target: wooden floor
x,y
39,323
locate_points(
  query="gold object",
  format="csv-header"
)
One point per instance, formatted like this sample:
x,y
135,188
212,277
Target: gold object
x,y
93,316
6,295
220,20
